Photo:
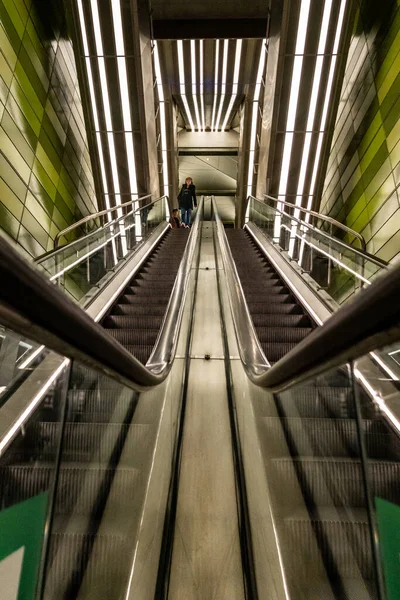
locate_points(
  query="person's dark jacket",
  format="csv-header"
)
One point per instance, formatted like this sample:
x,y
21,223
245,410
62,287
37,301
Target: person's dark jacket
x,y
187,196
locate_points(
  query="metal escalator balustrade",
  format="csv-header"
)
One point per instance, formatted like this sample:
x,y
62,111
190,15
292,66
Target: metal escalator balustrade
x,y
84,265
329,438
333,265
86,438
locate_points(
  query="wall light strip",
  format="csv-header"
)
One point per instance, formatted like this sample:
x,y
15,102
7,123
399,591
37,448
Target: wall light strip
x,y
202,84
7,438
254,120
238,56
302,29
215,84
194,82
162,119
311,114
223,83
182,84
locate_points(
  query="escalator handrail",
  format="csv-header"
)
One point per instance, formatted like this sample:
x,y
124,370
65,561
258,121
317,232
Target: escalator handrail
x,y
108,225
92,216
362,253
30,304
322,217
369,321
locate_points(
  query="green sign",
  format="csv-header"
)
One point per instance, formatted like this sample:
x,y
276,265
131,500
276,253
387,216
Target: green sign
x,y
389,539
21,537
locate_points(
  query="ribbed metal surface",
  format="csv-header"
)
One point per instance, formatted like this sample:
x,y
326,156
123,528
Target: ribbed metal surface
x,y
137,316
310,440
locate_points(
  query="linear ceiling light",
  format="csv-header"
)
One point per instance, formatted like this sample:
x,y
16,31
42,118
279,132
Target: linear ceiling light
x,y
338,34
215,83
194,82
223,83
254,120
93,98
182,84
162,119
311,116
203,120
238,55
126,108
292,109
107,111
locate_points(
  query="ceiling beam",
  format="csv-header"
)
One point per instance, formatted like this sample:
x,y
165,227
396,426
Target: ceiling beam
x,y
168,29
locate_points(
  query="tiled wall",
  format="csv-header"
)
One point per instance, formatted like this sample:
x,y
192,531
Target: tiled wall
x,y
46,178
364,164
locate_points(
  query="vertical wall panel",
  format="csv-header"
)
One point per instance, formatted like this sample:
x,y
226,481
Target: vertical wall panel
x,y
365,155
46,180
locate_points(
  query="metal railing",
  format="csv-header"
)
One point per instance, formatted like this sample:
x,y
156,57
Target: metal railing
x,y
328,219
30,304
93,216
377,261
357,328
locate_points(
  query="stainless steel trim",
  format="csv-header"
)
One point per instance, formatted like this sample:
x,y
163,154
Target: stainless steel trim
x,y
100,214
323,218
122,366
251,353
378,262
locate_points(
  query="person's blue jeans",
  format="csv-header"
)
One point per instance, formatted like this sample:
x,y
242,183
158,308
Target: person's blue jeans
x,y
186,215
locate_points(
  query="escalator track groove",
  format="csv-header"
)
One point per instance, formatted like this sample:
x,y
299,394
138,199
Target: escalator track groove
x,y
311,449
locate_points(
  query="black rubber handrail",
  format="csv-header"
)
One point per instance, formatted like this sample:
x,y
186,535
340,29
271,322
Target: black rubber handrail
x,y
30,304
369,321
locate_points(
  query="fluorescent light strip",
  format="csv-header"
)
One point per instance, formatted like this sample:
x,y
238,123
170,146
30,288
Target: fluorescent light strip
x,y
162,119
223,83
194,82
182,84
107,113
384,366
254,119
31,358
32,405
378,399
302,29
202,84
215,83
238,55
311,115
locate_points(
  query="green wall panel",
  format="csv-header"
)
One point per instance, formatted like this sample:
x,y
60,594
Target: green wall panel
x,y
363,169
46,180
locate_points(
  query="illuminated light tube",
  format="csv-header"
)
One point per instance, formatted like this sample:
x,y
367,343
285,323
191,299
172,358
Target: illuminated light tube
x,y
202,84
194,82
378,399
95,116
215,84
338,34
384,366
31,406
254,117
162,119
182,84
107,110
302,29
235,82
223,83
311,116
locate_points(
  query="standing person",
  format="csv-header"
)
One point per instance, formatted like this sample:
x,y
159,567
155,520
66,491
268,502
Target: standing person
x,y
187,200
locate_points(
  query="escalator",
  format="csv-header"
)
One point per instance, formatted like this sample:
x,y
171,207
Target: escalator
x,y
311,448
107,440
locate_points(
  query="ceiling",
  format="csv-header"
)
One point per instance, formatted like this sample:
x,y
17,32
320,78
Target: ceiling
x,y
209,78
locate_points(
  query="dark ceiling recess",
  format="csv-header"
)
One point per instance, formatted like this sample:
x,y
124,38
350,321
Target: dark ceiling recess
x,y
177,29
